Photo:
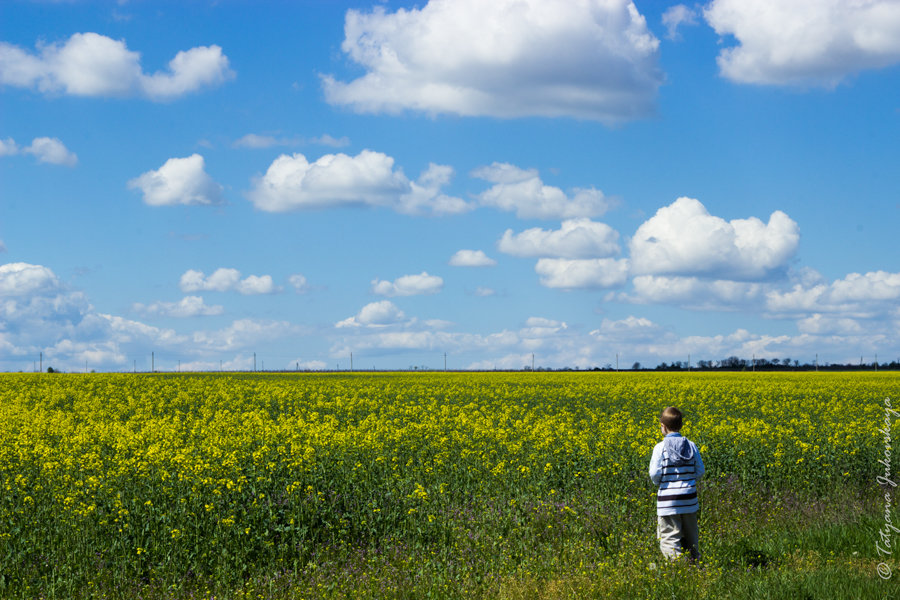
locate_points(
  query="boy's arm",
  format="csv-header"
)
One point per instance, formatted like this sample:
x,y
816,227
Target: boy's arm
x,y
656,464
699,468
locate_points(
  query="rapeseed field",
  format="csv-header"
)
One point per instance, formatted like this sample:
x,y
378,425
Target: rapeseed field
x,y
443,485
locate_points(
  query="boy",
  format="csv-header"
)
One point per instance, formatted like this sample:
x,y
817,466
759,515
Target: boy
x,y
675,467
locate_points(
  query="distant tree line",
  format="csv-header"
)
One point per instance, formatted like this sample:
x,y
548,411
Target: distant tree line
x,y
735,363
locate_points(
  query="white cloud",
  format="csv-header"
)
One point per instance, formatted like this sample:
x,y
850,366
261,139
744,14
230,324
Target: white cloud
x,y
189,306
815,42
869,294
299,283
522,191
471,258
409,285
256,141
425,194
505,58
819,324
257,284
484,292
8,147
225,280
515,361
89,64
684,239
307,365
540,327
694,292
44,149
242,333
40,314
576,238
52,151
676,16
23,279
374,314
367,179
582,273
179,181
630,329
330,140
189,71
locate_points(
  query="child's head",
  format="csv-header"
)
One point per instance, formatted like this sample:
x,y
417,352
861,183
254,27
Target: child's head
x,y
671,418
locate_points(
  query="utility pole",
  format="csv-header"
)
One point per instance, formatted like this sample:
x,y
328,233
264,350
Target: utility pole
x,y
152,362
351,362
42,362
689,361
532,362
254,362
617,362
817,362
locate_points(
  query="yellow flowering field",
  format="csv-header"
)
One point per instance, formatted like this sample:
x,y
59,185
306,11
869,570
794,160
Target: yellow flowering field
x,y
436,484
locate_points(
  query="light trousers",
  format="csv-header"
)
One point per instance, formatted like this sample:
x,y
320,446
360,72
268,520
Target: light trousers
x,y
678,534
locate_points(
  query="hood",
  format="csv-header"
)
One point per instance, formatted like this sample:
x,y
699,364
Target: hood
x,y
678,449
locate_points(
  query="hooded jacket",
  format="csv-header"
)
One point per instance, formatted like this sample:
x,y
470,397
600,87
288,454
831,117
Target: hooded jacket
x,y
675,467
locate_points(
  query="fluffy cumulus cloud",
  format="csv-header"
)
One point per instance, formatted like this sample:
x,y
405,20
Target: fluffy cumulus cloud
x,y
179,181
90,64
409,285
587,59
23,279
367,179
189,306
522,191
41,314
471,258
44,149
814,42
866,295
684,239
695,292
576,238
571,274
52,151
374,314
227,280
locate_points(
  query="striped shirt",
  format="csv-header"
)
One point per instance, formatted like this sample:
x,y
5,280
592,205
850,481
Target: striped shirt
x,y
675,467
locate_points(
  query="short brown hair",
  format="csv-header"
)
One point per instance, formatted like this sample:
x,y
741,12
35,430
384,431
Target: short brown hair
x,y
671,418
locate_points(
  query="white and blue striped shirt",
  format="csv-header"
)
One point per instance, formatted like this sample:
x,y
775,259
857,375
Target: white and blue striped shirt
x,y
675,467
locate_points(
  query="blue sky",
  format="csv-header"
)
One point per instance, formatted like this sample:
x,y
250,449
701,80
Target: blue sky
x,y
575,180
